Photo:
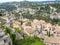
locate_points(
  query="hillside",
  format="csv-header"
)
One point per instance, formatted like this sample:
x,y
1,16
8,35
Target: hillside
x,y
12,5
45,10
30,23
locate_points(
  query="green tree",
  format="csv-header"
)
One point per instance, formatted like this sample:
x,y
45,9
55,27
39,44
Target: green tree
x,y
0,14
48,33
12,36
30,41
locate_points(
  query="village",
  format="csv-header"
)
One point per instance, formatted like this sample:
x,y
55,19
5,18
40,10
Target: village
x,y
40,21
40,28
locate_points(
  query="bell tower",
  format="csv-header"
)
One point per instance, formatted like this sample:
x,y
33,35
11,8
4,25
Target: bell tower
x,y
21,17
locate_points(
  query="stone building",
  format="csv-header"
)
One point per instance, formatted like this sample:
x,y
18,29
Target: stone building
x,y
4,39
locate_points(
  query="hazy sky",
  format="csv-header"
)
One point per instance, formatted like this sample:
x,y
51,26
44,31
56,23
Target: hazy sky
x,y
22,0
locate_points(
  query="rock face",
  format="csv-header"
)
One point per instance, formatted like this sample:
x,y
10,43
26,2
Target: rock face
x,y
4,39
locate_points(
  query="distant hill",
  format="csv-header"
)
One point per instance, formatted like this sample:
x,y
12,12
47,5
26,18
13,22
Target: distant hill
x,y
9,6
